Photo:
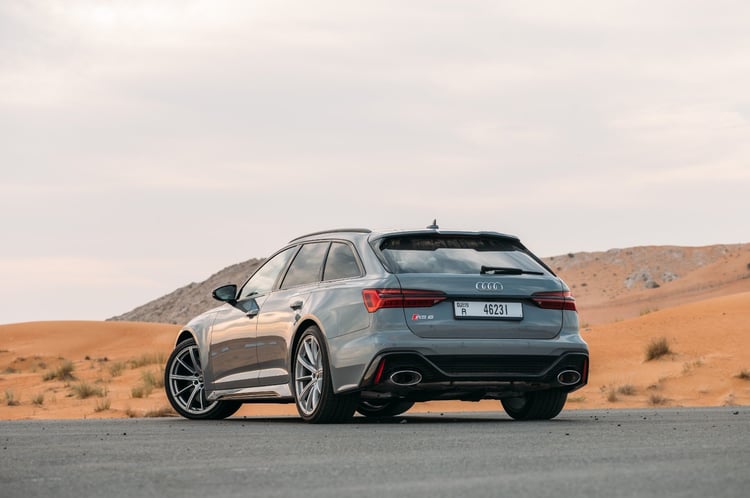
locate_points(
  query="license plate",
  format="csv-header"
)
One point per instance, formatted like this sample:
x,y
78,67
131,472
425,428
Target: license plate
x,y
486,309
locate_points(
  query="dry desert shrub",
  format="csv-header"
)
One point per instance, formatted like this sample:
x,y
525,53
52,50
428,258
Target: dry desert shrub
x,y
657,399
744,374
10,398
38,400
85,390
102,405
164,411
657,348
115,369
147,359
613,392
141,391
152,379
64,372
149,381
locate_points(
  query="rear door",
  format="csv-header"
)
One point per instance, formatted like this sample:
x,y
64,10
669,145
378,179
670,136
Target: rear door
x,y
283,308
490,285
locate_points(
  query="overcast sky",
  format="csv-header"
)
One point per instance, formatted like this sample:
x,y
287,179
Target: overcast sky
x,y
148,144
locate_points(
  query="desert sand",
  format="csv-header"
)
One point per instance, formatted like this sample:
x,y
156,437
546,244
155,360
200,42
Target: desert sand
x,y
115,367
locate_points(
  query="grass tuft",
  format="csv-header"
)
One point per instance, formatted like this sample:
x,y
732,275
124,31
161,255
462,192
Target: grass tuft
x,y
689,366
151,379
64,372
744,374
626,390
141,391
102,405
657,399
115,369
38,400
164,411
85,390
10,398
147,359
657,348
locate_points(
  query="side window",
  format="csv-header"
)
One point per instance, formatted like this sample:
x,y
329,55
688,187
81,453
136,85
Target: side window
x,y
307,266
341,263
262,280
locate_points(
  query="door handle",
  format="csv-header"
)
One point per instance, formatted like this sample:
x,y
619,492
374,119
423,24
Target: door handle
x,y
296,305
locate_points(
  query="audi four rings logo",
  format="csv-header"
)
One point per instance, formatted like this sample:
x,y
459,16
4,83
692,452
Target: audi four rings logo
x,y
489,286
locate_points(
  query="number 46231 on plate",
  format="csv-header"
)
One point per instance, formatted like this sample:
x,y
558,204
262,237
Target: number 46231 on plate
x,y
486,309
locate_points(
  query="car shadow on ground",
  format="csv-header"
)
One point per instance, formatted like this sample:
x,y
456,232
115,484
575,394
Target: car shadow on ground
x,y
422,419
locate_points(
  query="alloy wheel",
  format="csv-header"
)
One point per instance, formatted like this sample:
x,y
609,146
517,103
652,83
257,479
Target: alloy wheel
x,y
186,383
308,375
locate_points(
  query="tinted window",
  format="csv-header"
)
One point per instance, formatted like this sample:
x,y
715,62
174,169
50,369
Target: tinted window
x,y
341,263
307,266
263,280
449,254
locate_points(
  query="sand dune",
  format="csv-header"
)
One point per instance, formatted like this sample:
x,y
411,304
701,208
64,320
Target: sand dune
x,y
704,315
710,341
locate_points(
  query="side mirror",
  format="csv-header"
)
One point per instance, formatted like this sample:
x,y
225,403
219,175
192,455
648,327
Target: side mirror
x,y
226,294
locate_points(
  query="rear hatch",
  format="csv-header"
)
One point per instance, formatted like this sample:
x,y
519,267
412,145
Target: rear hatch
x,y
487,286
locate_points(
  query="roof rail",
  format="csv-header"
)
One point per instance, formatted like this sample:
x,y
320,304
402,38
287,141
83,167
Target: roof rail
x,y
338,230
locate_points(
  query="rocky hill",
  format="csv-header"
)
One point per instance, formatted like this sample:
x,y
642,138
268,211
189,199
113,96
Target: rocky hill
x,y
609,285
193,299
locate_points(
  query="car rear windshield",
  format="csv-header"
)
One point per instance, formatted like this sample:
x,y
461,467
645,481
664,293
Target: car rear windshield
x,y
457,254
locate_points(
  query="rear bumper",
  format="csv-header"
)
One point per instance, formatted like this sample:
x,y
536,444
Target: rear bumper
x,y
496,367
418,377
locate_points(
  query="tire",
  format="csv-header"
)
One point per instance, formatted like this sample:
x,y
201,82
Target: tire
x,y
390,408
537,405
312,385
184,384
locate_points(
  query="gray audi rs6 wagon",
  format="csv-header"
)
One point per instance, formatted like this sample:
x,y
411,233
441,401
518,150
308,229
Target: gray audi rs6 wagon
x,y
373,322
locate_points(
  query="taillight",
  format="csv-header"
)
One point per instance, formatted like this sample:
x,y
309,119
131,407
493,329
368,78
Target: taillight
x,y
561,300
376,299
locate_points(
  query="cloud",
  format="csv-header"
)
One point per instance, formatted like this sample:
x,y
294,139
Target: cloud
x,y
217,130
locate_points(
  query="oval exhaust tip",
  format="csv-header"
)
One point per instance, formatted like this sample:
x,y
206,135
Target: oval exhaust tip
x,y
568,377
406,378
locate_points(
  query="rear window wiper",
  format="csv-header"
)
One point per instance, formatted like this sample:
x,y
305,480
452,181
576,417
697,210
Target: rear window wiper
x,y
501,270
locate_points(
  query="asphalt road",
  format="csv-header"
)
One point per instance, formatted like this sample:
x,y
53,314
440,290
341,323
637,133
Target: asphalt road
x,y
660,453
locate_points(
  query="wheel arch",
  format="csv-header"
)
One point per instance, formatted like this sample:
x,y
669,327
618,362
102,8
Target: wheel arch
x,y
301,327
185,334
